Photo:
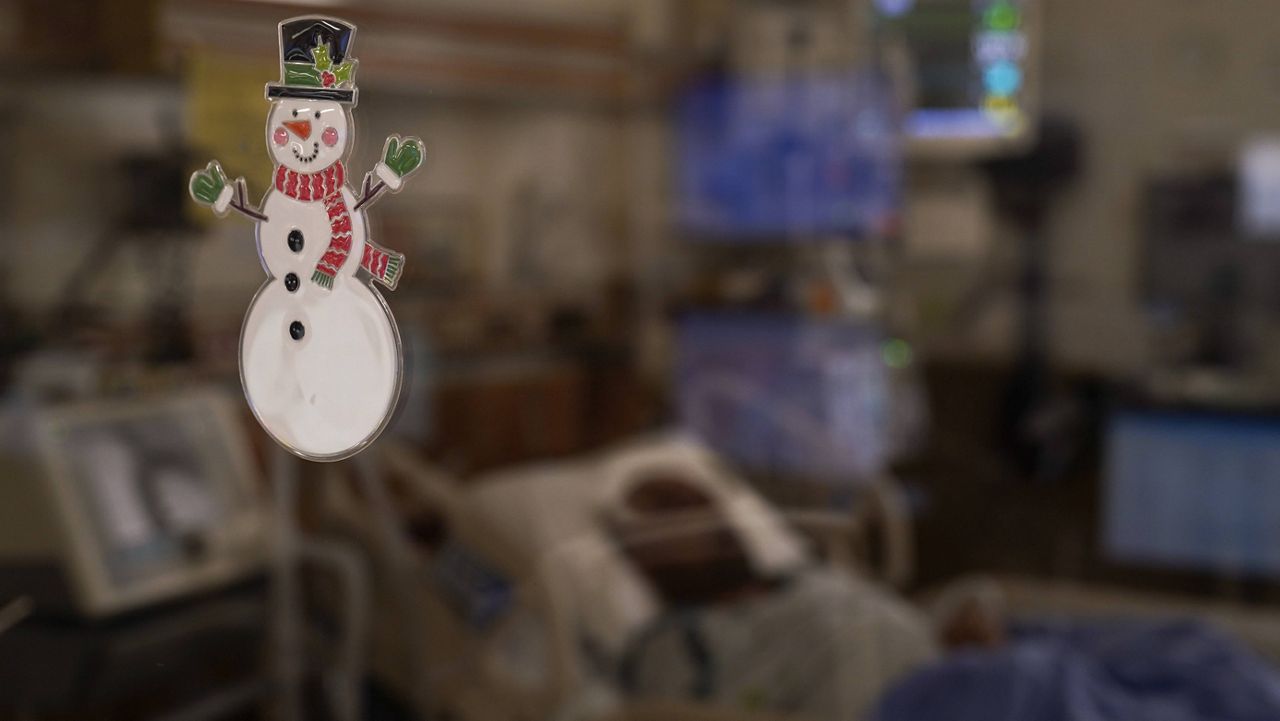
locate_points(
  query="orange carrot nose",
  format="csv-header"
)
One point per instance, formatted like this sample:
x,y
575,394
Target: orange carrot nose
x,y
300,128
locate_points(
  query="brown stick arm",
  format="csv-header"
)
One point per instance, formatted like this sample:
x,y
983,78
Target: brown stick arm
x,y
367,193
241,204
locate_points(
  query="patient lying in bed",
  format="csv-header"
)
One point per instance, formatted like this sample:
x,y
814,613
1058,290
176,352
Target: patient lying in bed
x,y
792,636
686,585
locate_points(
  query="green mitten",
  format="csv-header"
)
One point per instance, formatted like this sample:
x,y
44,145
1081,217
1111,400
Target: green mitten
x,y
207,184
403,157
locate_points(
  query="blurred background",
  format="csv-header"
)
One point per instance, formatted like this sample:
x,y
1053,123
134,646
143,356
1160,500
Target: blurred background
x,y
765,359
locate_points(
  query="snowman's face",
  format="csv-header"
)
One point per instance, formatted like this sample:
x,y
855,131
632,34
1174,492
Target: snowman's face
x,y
307,135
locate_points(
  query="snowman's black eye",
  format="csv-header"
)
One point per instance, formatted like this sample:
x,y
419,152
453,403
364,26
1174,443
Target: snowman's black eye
x,y
317,115
295,112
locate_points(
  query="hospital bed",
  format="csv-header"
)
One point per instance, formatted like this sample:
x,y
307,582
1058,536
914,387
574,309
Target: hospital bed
x,y
496,593
497,597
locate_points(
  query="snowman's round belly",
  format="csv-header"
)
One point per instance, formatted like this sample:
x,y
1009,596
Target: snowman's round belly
x,y
321,369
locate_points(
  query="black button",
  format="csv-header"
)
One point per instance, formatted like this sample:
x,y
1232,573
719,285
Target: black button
x,y
291,282
297,330
295,240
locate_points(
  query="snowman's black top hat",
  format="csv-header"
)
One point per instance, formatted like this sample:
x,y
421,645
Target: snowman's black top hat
x,y
313,60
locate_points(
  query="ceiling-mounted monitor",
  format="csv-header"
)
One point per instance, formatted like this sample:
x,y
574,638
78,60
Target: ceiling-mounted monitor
x,y
967,71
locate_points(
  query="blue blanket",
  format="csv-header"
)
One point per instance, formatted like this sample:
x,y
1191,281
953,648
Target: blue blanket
x,y
1182,671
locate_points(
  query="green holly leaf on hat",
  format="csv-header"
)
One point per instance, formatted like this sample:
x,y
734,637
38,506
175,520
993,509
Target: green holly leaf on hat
x,y
403,157
320,54
207,184
343,72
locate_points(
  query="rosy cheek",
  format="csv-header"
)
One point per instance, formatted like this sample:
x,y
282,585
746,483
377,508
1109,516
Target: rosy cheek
x,y
280,137
329,137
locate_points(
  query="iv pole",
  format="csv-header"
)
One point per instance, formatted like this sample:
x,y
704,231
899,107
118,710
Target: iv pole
x,y
290,550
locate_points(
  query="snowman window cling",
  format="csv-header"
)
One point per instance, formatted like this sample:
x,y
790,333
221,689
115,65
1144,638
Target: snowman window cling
x,y
320,356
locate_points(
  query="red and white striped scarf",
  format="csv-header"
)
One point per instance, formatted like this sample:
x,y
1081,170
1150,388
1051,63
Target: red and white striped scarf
x,y
326,186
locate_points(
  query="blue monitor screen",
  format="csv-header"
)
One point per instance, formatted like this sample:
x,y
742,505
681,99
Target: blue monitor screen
x,y
1194,491
784,395
966,63
789,157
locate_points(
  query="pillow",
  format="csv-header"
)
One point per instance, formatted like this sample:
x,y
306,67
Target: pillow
x,y
551,512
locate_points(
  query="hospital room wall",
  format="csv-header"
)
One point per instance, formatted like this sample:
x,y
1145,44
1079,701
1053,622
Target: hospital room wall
x,y
1156,86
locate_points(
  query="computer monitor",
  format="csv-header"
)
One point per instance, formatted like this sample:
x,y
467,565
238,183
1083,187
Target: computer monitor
x,y
1193,491
967,70
121,504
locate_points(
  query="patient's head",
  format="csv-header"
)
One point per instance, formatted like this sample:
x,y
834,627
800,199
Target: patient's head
x,y
676,534
665,491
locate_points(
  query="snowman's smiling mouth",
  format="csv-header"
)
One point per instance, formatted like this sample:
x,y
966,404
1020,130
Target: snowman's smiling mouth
x,y
315,151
